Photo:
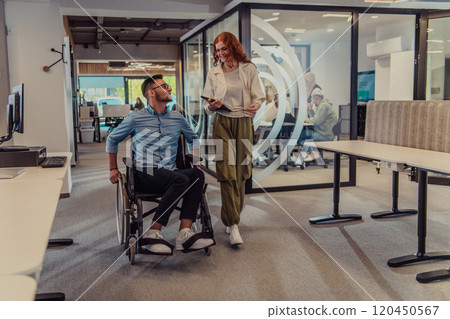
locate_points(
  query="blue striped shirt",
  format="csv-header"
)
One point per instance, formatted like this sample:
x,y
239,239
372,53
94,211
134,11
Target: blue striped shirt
x,y
154,137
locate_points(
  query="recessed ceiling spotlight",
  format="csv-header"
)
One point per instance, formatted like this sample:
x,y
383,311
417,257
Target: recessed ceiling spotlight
x,y
336,15
195,51
275,13
298,39
271,19
330,30
290,30
260,39
374,17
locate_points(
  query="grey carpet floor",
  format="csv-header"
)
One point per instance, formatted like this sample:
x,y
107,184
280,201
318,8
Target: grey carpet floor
x,y
283,256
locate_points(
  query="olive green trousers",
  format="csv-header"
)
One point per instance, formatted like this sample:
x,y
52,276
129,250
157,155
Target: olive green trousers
x,y
235,166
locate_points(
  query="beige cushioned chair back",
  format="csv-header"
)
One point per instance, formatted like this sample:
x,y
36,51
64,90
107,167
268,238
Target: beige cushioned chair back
x,y
417,124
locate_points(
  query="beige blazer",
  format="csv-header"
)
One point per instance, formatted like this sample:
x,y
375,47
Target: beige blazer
x,y
216,86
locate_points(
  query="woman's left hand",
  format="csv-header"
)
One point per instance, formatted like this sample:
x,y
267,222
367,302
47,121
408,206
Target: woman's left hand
x,y
251,110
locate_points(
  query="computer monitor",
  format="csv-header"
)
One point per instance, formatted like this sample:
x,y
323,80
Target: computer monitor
x,y
14,112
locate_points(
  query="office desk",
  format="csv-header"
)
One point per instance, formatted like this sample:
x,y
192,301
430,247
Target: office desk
x,y
62,173
28,204
39,173
17,288
422,159
26,218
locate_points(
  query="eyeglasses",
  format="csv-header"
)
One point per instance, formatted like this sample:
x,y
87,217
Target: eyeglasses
x,y
162,86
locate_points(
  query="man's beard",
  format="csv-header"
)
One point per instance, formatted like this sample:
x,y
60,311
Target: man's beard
x,y
163,97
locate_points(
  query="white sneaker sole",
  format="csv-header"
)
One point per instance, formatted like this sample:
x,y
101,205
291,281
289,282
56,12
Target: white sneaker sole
x,y
235,243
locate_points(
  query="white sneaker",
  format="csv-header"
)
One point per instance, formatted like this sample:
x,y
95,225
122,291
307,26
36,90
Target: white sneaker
x,y
187,233
235,237
228,229
156,248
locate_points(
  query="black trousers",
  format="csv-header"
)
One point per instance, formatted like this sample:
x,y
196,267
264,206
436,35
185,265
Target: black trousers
x,y
172,184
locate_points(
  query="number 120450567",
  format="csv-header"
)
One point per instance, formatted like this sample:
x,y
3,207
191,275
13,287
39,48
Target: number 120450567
x,y
405,310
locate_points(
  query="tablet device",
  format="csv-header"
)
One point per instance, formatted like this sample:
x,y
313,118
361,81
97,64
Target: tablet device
x,y
222,108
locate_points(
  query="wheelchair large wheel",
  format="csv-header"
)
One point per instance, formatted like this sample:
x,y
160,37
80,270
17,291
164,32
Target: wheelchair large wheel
x,y
121,210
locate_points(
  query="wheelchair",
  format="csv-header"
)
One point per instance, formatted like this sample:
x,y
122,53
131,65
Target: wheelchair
x,y
130,214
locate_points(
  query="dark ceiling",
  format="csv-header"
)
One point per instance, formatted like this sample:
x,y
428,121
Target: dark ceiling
x,y
107,30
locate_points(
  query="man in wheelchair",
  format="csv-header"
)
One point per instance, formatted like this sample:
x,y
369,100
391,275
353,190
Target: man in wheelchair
x,y
155,133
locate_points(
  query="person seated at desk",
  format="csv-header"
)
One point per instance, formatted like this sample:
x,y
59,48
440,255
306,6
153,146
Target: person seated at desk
x,y
311,85
155,133
139,105
270,115
323,119
272,110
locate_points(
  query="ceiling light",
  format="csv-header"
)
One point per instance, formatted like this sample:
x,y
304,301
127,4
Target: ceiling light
x,y
297,39
271,19
430,30
374,17
336,15
290,30
260,39
169,69
436,41
275,13
330,30
195,51
436,51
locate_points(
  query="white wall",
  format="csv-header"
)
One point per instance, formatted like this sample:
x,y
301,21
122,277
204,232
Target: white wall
x,y
394,74
332,70
365,63
33,29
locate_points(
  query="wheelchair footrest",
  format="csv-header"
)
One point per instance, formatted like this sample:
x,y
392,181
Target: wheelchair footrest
x,y
188,243
152,241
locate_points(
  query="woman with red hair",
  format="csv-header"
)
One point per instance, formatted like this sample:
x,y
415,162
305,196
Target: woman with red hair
x,y
235,94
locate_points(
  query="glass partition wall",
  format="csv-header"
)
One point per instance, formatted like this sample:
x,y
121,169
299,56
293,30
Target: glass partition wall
x,y
438,59
286,42
286,45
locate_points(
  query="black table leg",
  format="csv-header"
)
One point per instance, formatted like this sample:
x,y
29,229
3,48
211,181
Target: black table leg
x,y
426,277
421,255
394,212
50,296
59,242
335,217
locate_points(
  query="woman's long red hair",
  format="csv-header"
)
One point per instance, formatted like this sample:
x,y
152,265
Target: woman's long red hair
x,y
234,47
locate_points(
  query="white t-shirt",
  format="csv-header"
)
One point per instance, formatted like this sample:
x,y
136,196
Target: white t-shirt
x,y
234,98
